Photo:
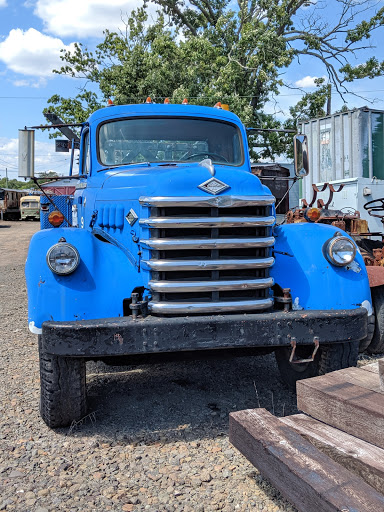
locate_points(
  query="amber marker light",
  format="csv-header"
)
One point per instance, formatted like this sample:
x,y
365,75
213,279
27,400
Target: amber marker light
x,y
148,100
166,101
312,214
218,105
110,103
56,218
184,102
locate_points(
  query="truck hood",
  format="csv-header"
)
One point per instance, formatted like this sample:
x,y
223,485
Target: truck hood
x,y
128,183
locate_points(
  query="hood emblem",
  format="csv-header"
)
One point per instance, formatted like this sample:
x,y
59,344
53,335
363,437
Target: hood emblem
x,y
131,217
213,186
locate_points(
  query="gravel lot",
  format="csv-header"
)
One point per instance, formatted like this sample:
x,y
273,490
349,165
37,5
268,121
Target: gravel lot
x,y
156,438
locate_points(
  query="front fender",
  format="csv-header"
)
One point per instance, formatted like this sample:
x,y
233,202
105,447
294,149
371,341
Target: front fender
x,y
96,289
314,282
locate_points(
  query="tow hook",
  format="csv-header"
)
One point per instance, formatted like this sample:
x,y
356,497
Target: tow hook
x,y
310,359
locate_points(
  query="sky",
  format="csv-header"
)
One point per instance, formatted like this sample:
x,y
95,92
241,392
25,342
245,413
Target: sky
x,y
32,33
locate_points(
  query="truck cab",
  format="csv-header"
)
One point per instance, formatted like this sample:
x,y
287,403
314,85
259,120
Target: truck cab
x,y
173,248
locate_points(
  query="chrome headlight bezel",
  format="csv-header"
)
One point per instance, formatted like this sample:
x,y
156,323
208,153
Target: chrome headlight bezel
x,y
328,250
70,247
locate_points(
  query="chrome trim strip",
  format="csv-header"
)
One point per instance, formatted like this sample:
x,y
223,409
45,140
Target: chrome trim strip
x,y
209,286
166,265
226,201
210,307
163,244
206,222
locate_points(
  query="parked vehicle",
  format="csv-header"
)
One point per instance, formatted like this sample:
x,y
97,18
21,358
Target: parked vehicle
x,y
174,249
10,203
30,207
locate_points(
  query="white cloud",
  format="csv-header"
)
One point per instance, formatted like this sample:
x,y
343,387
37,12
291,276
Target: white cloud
x,y
307,82
3,3
31,52
41,82
83,19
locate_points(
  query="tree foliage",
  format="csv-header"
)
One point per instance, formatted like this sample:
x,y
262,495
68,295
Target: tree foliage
x,y
219,50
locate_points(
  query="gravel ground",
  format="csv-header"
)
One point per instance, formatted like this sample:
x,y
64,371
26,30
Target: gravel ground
x,y
156,438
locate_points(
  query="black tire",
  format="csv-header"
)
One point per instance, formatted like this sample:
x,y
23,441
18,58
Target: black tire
x,y
62,389
365,342
329,358
377,344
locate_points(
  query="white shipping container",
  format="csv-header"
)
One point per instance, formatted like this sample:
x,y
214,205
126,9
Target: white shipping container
x,y
344,145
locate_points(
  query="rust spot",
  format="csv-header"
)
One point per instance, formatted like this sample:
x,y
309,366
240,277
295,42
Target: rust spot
x,y
119,338
40,282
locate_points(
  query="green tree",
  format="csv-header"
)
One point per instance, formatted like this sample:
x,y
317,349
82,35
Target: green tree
x,y
16,184
213,51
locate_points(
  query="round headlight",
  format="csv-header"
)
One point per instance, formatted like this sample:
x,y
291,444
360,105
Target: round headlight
x,y
340,251
63,258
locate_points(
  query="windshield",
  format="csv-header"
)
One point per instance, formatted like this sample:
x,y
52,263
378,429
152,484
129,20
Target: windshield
x,y
169,139
30,204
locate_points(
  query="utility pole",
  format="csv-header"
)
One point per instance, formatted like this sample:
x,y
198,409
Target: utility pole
x,y
6,178
329,108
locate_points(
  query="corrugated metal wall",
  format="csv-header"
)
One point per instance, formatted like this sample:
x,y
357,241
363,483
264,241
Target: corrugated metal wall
x,y
345,145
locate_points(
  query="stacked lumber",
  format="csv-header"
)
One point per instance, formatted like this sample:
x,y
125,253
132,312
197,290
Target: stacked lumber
x,y
332,457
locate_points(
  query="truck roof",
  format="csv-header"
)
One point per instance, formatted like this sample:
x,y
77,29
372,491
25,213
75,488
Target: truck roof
x,y
144,109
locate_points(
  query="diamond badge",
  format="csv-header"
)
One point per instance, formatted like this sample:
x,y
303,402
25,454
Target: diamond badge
x,y
214,186
131,217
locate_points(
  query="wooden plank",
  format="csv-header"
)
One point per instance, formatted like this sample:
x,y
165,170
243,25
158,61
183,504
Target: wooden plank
x,y
381,373
362,458
308,478
341,404
371,367
367,380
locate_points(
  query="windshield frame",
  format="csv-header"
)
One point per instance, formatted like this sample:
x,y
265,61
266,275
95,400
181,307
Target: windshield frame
x,y
181,162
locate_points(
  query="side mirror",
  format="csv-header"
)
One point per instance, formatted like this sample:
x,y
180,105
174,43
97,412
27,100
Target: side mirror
x,y
300,151
26,153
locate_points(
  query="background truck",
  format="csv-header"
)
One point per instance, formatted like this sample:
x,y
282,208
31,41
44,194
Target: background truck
x,y
172,248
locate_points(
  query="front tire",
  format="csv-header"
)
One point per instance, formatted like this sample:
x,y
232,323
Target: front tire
x,y
62,389
329,358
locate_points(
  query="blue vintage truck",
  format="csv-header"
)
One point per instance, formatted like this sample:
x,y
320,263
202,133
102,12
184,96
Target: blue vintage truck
x,y
172,248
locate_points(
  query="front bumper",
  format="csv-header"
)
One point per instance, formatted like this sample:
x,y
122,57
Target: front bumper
x,y
125,336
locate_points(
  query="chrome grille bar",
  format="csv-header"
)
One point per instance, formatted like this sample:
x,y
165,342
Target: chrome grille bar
x,y
206,222
163,244
209,307
218,201
167,265
209,286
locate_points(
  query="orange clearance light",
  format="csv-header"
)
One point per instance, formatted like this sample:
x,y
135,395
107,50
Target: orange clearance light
x,y
218,105
110,102
166,101
224,106
56,218
184,102
148,100
312,214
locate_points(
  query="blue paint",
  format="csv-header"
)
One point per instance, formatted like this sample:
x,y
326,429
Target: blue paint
x,y
109,269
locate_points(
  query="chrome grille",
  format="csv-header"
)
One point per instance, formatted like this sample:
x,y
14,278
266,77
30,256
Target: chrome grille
x,y
209,255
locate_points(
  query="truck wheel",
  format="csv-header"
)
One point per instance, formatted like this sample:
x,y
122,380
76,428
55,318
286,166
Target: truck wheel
x,y
329,358
365,342
377,344
62,389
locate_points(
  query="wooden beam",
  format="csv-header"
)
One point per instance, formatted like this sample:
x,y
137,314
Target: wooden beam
x,y
366,380
341,404
308,478
362,458
381,373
